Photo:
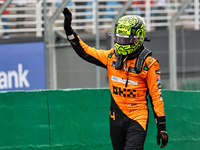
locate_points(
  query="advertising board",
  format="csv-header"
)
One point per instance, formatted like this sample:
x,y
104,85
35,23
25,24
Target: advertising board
x,y
22,66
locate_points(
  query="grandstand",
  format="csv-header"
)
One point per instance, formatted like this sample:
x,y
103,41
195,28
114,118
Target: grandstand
x,y
36,26
85,13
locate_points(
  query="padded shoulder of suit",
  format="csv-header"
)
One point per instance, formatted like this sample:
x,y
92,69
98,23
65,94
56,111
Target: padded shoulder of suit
x,y
112,51
149,61
141,59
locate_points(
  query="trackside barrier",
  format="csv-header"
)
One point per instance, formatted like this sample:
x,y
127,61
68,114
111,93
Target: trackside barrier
x,y
79,119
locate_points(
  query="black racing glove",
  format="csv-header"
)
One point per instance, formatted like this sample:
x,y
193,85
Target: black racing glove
x,y
162,133
67,22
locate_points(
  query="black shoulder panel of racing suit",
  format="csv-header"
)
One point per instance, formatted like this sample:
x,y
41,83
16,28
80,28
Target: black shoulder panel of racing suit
x,y
80,51
141,58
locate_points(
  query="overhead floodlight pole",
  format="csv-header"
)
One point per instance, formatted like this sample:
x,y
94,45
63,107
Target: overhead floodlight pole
x,y
172,46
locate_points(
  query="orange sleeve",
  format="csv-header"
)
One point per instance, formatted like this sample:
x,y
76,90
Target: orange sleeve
x,y
154,84
96,55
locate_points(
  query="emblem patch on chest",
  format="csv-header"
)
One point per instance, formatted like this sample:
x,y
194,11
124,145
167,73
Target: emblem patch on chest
x,y
113,63
131,69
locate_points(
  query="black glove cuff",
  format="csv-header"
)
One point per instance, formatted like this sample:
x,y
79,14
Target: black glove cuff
x,y
69,31
73,38
72,35
161,123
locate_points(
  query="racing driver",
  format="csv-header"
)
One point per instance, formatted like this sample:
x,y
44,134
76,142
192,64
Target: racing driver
x,y
133,75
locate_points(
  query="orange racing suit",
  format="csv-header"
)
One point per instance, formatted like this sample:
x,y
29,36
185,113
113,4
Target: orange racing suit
x,y
128,88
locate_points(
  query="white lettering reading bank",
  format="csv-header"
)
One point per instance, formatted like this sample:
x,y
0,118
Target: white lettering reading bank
x,y
13,78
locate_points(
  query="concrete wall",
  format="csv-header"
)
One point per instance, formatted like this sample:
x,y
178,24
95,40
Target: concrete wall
x,y
79,119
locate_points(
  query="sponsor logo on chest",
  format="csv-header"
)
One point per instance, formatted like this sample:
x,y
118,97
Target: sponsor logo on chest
x,y
117,79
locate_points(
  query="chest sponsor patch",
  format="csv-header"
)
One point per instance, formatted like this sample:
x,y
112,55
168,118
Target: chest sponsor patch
x,y
158,82
158,76
117,79
131,69
113,63
158,72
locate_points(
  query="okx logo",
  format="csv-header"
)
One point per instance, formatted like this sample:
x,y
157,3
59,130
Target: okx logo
x,y
14,78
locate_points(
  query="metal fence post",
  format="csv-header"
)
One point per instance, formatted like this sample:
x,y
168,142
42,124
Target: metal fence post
x,y
172,46
51,71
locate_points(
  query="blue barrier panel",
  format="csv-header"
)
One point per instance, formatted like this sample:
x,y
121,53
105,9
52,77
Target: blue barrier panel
x,y
22,66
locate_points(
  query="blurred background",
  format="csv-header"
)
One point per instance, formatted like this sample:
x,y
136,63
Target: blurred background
x,y
35,54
